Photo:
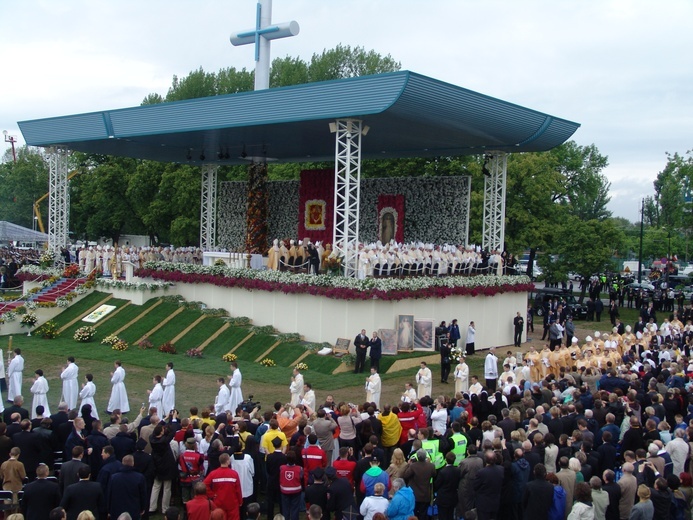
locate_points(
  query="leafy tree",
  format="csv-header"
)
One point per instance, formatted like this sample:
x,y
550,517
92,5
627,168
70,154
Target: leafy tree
x,y
21,184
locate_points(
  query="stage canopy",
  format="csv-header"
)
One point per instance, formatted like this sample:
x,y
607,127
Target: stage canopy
x,y
409,115
15,233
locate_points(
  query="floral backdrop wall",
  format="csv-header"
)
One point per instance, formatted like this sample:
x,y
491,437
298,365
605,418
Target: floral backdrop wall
x,y
436,209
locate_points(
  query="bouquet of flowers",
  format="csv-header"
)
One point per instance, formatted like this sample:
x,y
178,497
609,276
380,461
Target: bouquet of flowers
x,y
267,362
332,264
110,340
167,348
84,334
120,345
9,316
229,357
194,353
47,258
62,302
31,305
301,366
457,354
48,330
145,344
29,320
71,271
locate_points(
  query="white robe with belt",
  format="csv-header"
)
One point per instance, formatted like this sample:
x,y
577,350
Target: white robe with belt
x,y
373,389
70,387
40,389
119,395
155,397
236,396
168,402
87,396
14,372
296,389
424,379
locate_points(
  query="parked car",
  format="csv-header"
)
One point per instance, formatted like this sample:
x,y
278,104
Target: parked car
x,y
542,298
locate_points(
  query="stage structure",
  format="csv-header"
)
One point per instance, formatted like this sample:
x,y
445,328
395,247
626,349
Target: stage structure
x,y
208,208
495,171
58,199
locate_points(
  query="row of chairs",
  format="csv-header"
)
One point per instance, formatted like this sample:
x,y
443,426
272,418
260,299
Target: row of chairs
x,y
6,497
421,269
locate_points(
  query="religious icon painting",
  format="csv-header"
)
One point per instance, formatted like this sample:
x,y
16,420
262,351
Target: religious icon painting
x,y
314,217
389,339
424,337
405,332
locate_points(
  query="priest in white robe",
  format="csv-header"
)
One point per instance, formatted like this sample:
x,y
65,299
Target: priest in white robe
x,y
409,394
296,388
156,396
424,380
462,376
169,385
119,395
14,373
70,386
373,388
236,397
40,391
86,394
308,397
221,403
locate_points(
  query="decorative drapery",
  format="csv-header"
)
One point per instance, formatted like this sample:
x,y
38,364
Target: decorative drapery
x,y
316,205
390,218
256,215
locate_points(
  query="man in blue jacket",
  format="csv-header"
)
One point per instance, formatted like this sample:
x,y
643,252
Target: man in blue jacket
x,y
402,505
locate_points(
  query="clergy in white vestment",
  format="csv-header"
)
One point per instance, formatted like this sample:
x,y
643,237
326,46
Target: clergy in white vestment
x,y
156,395
40,390
236,397
462,376
86,394
424,380
221,402
296,388
169,384
119,395
14,373
373,388
70,387
308,397
409,394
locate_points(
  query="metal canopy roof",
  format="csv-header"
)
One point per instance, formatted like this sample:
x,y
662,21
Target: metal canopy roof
x,y
409,115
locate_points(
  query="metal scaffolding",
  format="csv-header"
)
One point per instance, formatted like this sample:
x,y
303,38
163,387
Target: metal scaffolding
x,y
208,208
496,166
347,179
58,200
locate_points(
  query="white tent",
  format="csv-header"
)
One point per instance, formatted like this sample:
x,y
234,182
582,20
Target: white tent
x,y
14,233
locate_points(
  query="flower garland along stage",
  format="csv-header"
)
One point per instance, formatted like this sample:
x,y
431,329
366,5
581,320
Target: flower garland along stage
x,y
336,287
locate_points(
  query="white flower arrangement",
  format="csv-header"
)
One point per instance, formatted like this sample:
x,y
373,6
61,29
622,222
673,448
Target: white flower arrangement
x,y
62,302
81,289
133,286
30,305
36,270
9,316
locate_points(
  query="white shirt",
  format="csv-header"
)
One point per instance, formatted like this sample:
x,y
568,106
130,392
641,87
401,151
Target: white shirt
x,y
491,367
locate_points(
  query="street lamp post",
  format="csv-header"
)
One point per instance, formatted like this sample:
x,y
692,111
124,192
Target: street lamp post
x,y
11,139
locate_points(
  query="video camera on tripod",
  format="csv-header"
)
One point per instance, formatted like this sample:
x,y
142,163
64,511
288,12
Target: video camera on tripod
x,y
248,405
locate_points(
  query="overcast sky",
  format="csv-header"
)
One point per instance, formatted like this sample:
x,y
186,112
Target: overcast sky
x,y
619,68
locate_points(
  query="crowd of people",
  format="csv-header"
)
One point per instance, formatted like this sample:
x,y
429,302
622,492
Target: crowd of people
x,y
599,428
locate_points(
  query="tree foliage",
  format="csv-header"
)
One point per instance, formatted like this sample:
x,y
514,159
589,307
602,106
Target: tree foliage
x,y
21,184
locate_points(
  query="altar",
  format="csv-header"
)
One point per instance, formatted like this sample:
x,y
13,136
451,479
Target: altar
x,y
238,260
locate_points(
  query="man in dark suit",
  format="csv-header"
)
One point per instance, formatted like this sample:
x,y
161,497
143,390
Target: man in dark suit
x,y
84,495
538,495
361,346
31,445
76,438
40,496
60,417
487,487
15,425
127,491
16,408
445,486
70,469
65,430
376,345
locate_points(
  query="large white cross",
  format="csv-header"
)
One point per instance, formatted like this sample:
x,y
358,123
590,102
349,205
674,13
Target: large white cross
x,y
262,34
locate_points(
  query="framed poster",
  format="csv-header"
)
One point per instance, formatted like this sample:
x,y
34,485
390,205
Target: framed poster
x,y
424,336
341,346
405,332
389,339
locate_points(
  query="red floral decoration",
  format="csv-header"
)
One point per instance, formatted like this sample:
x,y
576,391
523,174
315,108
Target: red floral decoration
x,y
316,205
256,216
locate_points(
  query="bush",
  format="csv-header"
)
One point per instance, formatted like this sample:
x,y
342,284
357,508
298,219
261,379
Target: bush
x,y
167,348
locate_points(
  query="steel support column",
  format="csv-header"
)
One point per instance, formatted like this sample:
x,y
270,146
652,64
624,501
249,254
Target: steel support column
x,y
58,201
347,179
208,208
494,201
